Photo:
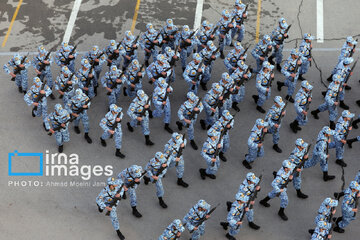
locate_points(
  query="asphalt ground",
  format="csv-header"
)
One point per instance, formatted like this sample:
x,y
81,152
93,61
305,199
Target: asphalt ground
x,y
70,212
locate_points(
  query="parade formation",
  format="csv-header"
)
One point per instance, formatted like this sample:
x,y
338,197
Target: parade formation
x,y
215,102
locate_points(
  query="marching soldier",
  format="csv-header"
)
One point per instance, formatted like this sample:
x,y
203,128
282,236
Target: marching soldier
x,y
194,73
261,51
225,24
235,55
129,43
172,56
113,53
96,58
159,68
86,78
173,231
186,40
240,76
111,124
134,75
65,84
209,54
321,231
148,41
211,103
66,56
305,50
168,34
205,34
326,210
278,37
240,14
192,219
228,90
19,74
112,82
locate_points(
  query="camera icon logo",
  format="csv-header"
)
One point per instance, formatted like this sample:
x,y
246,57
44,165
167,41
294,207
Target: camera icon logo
x,y
25,164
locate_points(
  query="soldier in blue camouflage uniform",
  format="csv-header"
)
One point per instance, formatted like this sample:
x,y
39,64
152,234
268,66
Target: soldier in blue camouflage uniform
x,y
192,218
138,112
112,82
225,24
77,107
173,152
86,78
356,139
173,231
242,72
327,208
320,152
134,75
128,176
186,42
112,127
228,85
240,14
96,58
21,78
65,84
303,99
291,72
305,50
212,145
107,196
331,101
235,215
130,46
255,144
321,231
159,68
31,99
210,100
263,85
161,101
168,33
234,56
63,55
114,52
342,130
205,34
38,62
192,69
261,51
279,189
273,116
209,54
57,123
348,207
156,168
172,57
278,36
192,105
148,41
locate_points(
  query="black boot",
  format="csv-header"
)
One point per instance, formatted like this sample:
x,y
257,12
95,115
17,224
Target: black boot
x,y
294,125
311,231
88,139
179,125
230,237
329,79
146,180
256,98
124,91
277,149
289,98
231,44
355,123
358,102
323,93
52,96
150,113
202,173
254,226
120,235
130,128
235,107
222,157
20,89
300,194
315,113
146,63
339,195
60,148
351,141
183,69
45,127
338,229
162,203
124,195
278,67
347,87
148,141
100,210
343,105
246,164
282,214
119,154
77,129
327,177
228,205
180,182
95,90
222,56
33,113
260,109
193,144
279,85
168,129
224,225
274,174
264,202
203,124
332,125
103,142
136,213
203,86
271,60
301,77
340,162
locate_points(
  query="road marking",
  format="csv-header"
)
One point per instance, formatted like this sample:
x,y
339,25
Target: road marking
x,y
258,21
11,23
72,20
320,21
135,15
198,13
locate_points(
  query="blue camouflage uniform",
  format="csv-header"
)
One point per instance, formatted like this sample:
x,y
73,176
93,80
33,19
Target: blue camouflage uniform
x,y
242,71
172,57
32,96
263,79
113,80
234,56
254,140
228,85
324,212
129,53
305,50
159,68
342,70
211,98
75,106
221,125
161,95
21,79
108,123
290,68
248,189
225,24
113,53
185,47
261,49
236,213
134,71
347,50
205,34
240,14
152,168
85,81
136,108
55,119
168,33
348,204
209,56
171,150
63,53
96,57
37,62
193,217
172,231
129,175
278,36
191,71
296,157
302,99
208,151
321,231
62,84
147,41
273,116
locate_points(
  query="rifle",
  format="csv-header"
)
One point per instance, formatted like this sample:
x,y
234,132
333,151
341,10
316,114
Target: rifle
x,y
160,74
161,169
296,69
67,60
227,28
115,199
242,18
285,32
269,84
167,37
338,93
137,78
143,112
262,137
351,70
134,43
254,195
88,79
213,54
116,123
59,127
218,102
202,220
80,110
115,83
18,68
93,62
68,85
173,60
179,153
266,53
186,44
223,132
193,113
40,96
42,64
307,105
228,93
114,55
212,33
352,50
347,130
301,164
356,204
196,78
166,92
241,82
281,114
152,44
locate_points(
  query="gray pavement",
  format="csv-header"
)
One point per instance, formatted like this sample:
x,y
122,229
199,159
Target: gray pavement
x,y
42,212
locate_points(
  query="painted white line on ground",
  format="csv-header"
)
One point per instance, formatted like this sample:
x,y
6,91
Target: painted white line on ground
x,y
198,13
320,21
72,20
